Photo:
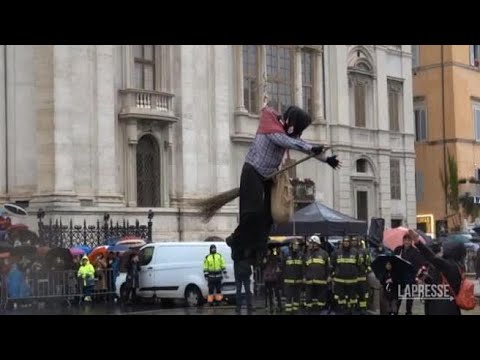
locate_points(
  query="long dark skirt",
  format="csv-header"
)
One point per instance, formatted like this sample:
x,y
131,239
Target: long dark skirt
x,y
250,237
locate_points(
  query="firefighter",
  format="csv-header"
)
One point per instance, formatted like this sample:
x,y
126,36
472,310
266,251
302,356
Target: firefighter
x,y
316,276
344,274
293,278
363,270
214,269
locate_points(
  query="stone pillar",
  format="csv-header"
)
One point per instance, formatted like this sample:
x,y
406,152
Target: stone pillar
x,y
127,66
384,187
43,58
238,61
410,194
297,82
407,100
262,74
53,86
3,127
318,87
132,163
383,122
339,85
222,120
63,134
106,127
169,185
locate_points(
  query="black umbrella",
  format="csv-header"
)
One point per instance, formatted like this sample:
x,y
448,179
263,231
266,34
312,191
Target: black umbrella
x,y
402,270
5,246
428,239
25,250
15,210
65,256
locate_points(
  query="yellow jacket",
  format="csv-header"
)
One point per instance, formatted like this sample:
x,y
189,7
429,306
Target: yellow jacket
x,y
213,265
86,271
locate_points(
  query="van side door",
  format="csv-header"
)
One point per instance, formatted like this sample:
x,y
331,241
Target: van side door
x,y
147,274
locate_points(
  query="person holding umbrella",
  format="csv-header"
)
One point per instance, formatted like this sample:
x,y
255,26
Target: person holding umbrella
x,y
451,269
133,278
413,256
390,293
393,272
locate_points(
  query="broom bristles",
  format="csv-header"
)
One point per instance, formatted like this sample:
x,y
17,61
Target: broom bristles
x,y
210,206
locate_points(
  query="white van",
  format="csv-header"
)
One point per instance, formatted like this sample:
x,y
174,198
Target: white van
x,y
174,270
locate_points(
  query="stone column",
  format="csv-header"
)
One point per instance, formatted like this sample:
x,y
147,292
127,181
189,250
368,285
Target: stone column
x,y
410,193
318,87
3,126
238,61
106,127
221,129
262,74
297,82
63,134
384,187
132,163
127,67
43,58
56,186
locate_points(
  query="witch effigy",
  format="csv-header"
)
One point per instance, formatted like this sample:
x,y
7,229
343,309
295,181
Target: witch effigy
x,y
276,134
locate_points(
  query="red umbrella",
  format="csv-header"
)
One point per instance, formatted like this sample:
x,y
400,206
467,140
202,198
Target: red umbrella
x,y
392,238
97,251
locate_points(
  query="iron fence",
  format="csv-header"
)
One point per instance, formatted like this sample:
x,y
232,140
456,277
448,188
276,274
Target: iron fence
x,y
58,234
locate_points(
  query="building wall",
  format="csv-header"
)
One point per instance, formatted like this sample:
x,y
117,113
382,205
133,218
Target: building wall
x,y
461,86
70,107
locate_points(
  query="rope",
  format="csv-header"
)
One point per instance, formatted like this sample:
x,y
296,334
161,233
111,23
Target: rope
x,y
265,93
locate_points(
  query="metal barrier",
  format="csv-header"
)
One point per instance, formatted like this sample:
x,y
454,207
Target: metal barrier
x,y
258,282
66,286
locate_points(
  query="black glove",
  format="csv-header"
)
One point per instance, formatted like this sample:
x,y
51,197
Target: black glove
x,y
317,150
333,161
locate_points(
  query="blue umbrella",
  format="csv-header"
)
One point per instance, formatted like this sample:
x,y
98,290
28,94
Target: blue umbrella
x,y
118,248
112,240
87,250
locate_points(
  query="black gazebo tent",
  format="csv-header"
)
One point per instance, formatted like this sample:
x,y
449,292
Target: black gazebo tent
x,y
317,218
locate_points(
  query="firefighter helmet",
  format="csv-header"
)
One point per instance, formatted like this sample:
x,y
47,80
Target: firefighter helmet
x,y
315,239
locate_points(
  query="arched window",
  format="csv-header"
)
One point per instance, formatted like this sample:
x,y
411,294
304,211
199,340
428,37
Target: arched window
x,y
148,172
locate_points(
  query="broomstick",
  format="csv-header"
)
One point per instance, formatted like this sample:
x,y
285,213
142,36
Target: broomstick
x,y
210,206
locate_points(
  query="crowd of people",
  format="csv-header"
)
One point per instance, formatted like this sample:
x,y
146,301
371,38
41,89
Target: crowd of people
x,y
315,277
43,278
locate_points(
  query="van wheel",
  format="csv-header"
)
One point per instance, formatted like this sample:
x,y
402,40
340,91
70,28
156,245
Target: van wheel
x,y
193,296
